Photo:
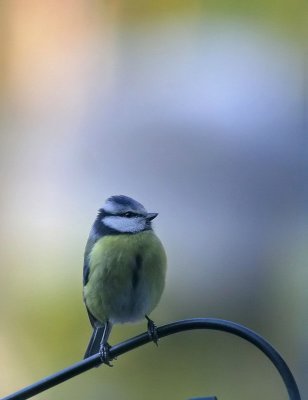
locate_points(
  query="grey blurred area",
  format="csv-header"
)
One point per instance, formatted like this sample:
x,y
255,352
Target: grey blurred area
x,y
200,116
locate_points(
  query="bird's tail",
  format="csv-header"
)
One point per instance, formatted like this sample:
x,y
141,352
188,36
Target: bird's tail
x,y
98,339
95,342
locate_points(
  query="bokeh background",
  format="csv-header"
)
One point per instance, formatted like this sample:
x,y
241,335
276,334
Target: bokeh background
x,y
198,109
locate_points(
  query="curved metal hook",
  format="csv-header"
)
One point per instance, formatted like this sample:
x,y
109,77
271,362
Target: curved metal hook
x,y
169,329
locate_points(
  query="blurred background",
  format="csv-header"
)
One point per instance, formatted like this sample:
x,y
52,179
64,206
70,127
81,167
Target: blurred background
x,y
198,110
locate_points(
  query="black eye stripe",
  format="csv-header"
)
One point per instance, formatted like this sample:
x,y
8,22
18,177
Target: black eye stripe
x,y
129,214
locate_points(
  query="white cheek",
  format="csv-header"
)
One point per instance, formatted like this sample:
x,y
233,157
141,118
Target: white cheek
x,y
123,224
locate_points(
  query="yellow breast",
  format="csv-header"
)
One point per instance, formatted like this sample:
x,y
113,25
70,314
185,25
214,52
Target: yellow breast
x,y
126,278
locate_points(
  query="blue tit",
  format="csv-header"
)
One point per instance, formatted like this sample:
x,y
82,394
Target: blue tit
x,y
124,270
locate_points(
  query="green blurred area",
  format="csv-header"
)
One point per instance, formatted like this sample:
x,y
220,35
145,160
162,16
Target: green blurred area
x,y
287,14
197,109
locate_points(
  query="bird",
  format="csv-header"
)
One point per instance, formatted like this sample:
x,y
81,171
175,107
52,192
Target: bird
x,y
124,271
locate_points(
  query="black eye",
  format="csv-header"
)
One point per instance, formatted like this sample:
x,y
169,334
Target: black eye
x,y
129,214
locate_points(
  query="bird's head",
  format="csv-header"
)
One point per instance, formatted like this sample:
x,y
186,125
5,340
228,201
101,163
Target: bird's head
x,y
125,215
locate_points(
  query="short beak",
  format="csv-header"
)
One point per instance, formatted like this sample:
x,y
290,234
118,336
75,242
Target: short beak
x,y
151,216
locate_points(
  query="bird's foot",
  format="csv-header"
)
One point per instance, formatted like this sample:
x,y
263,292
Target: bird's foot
x,y
104,354
152,330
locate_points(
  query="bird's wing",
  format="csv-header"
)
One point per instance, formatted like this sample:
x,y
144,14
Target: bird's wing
x,y
90,243
93,320
86,270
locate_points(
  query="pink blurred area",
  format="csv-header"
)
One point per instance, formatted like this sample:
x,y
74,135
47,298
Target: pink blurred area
x,y
199,111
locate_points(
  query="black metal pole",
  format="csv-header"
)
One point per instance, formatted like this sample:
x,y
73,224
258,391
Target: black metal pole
x,y
175,327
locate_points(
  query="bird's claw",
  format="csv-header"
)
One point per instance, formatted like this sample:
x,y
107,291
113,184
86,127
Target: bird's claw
x,y
104,354
152,330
